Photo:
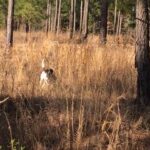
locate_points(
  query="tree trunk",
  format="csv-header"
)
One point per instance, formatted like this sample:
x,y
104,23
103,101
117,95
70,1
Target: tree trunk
x,y
56,14
52,19
85,21
118,23
142,57
71,19
27,29
9,38
115,16
59,18
74,17
18,24
48,16
103,22
81,15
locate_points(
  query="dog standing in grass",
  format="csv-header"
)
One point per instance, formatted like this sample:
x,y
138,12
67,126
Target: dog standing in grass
x,y
47,76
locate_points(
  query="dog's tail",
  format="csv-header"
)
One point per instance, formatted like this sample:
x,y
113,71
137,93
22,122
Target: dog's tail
x,y
43,64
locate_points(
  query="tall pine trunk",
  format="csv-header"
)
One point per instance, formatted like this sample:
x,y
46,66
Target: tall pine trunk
x,y
142,58
103,22
27,29
48,16
59,18
74,18
115,16
55,16
52,19
119,23
85,21
9,38
71,19
81,15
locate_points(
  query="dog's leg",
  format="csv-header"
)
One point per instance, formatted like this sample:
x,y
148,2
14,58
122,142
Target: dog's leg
x,y
46,82
40,82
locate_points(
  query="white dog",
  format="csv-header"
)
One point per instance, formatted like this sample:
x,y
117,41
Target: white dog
x,y
47,75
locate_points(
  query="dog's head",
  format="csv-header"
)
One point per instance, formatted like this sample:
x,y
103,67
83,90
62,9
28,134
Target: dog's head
x,y
49,71
51,74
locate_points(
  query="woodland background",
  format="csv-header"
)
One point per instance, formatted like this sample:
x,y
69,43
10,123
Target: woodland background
x,y
40,15
93,104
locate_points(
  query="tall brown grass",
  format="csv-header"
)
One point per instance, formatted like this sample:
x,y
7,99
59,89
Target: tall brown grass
x,y
88,107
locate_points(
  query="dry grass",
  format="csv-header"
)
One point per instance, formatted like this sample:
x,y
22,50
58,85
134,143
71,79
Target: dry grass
x,y
90,106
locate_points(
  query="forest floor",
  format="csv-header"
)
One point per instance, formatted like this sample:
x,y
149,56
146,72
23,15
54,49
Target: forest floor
x,y
91,105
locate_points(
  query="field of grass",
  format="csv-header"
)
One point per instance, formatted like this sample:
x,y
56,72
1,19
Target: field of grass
x,y
89,107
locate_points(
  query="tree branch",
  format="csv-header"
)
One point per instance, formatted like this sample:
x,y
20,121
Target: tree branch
x,y
3,101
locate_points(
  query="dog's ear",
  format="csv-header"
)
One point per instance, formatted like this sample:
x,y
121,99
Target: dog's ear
x,y
51,71
43,63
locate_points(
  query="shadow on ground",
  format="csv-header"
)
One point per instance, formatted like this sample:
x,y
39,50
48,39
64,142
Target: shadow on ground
x,y
30,121
45,123
136,120
38,122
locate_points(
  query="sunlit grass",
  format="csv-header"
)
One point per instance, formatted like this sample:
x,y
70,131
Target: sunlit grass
x,y
89,104
108,69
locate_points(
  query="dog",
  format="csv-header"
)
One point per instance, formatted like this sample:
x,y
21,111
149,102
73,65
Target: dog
x,y
47,76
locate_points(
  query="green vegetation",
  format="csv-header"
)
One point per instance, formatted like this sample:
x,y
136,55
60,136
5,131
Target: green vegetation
x,y
34,12
95,90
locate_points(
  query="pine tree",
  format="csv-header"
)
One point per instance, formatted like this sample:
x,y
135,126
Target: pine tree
x,y
103,22
10,17
71,18
142,59
84,32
